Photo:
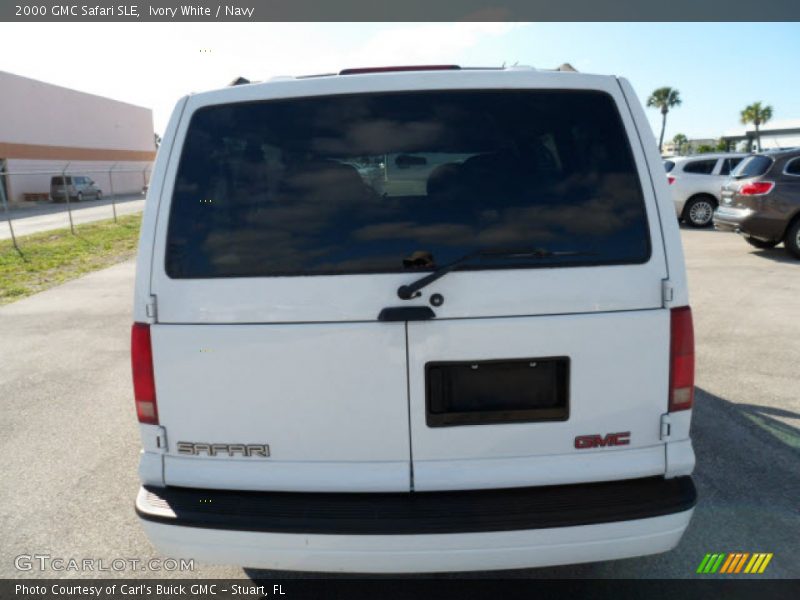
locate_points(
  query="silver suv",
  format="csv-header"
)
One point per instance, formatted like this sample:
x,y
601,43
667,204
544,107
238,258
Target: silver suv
x,y
695,183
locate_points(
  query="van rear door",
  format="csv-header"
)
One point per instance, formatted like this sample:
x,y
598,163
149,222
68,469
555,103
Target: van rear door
x,y
548,366
267,330
280,241
328,399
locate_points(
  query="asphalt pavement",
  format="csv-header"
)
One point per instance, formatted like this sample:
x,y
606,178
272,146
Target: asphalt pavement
x,y
49,216
69,438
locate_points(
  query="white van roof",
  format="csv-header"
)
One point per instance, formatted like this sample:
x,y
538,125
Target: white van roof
x,y
564,67
242,89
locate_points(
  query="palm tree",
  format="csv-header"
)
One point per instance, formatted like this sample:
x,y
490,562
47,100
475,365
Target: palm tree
x,y
757,115
679,140
664,98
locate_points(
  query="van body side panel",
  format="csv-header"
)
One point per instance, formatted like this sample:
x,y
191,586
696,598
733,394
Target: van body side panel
x,y
663,217
151,462
673,250
152,211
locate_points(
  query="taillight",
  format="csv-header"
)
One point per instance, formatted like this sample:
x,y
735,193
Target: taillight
x,y
144,384
756,188
670,179
681,359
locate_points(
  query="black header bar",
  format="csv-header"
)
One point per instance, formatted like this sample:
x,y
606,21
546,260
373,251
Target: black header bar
x,y
397,10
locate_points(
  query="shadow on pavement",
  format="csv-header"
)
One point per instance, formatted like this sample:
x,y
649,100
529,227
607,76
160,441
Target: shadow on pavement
x,y
778,254
748,485
708,229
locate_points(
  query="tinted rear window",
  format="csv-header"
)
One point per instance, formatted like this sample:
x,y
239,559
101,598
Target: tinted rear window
x,y
700,167
60,181
391,182
752,166
668,165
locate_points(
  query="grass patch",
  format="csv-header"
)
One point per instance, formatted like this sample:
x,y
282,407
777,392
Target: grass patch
x,y
53,257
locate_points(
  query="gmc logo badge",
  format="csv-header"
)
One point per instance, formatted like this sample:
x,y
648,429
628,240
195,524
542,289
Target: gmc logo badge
x,y
599,441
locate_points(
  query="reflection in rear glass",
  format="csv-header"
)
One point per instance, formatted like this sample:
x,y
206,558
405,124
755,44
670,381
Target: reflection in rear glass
x,y
363,183
752,166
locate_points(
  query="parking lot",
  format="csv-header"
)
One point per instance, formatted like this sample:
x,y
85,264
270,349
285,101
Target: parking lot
x,y
70,441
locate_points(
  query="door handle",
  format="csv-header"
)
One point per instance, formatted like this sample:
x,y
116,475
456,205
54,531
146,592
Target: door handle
x,y
406,313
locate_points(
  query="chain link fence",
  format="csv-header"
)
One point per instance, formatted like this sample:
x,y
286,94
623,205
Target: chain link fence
x,y
34,201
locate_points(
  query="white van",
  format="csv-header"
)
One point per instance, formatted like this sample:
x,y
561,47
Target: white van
x,y
489,368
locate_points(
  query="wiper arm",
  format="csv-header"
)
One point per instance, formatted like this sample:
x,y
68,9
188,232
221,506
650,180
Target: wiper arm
x,y
412,290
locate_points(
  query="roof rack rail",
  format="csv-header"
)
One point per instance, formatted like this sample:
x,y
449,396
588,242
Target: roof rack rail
x,y
359,71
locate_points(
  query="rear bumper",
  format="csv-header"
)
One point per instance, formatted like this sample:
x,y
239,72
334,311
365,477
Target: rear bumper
x,y
749,222
420,532
731,219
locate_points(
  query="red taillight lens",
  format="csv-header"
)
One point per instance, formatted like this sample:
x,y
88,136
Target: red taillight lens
x,y
670,179
681,359
144,384
756,188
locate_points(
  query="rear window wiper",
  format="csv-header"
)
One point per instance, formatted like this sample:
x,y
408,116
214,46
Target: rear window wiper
x,y
412,290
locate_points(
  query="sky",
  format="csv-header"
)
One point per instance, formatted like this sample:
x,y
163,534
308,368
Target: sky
x,y
719,68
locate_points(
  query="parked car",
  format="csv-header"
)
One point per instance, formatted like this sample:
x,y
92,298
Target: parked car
x,y
695,183
78,187
493,370
762,201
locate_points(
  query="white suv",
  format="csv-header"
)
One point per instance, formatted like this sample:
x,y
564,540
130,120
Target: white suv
x,y
491,367
696,183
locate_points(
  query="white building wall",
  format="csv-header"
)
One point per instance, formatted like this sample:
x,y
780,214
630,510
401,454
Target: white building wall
x,y
45,128
34,112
